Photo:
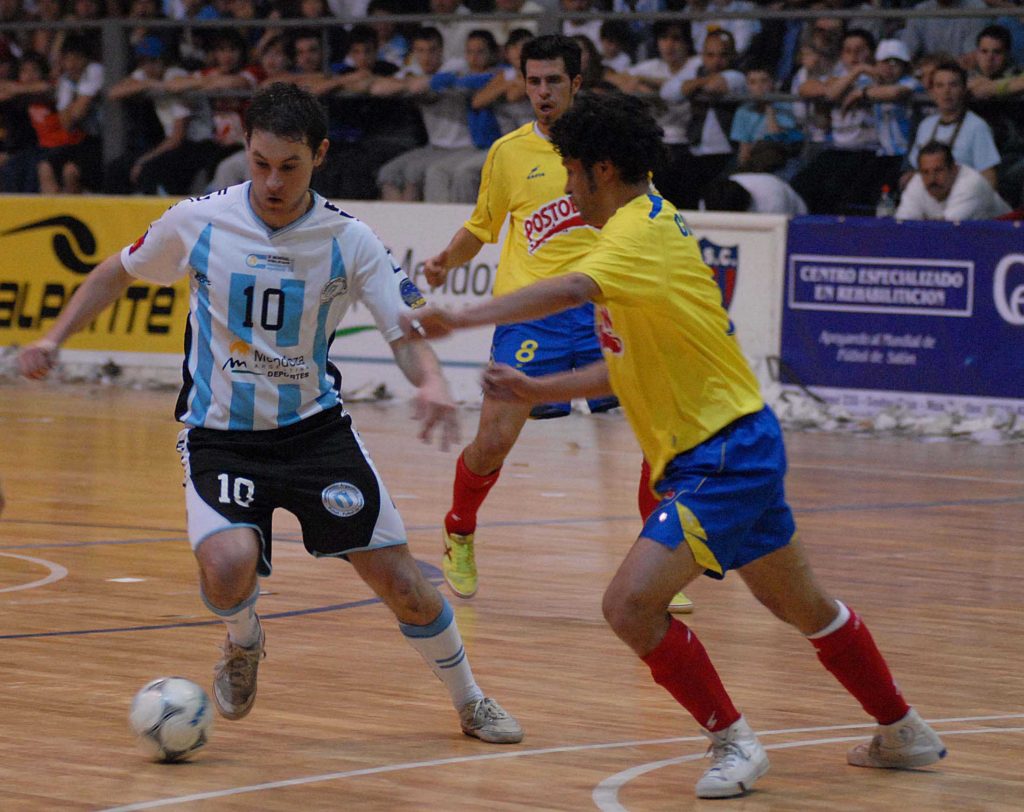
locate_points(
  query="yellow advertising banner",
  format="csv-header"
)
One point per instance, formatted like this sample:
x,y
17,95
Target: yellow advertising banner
x,y
48,245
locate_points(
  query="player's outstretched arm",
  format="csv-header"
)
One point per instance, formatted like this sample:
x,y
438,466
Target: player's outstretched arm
x,y
101,288
502,382
462,248
434,406
532,302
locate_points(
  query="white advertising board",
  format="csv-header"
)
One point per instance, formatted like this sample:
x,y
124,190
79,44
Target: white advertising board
x,y
747,251
752,245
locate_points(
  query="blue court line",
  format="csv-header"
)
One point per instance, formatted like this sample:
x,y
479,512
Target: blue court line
x,y
1007,500
285,537
49,545
53,523
841,508
434,574
215,622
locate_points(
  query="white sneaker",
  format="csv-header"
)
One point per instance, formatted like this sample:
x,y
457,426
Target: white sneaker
x,y
737,761
486,720
234,680
903,745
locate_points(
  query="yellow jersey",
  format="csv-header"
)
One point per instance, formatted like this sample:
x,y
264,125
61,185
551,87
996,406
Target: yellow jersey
x,y
523,179
672,354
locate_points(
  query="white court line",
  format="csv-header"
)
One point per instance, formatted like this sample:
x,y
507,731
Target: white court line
x,y
414,765
606,794
56,572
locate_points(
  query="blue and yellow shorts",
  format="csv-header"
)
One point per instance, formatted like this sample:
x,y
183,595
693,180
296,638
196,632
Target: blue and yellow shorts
x,y
555,343
726,498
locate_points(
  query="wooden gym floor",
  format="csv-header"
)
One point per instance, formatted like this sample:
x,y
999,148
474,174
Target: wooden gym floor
x,y
98,595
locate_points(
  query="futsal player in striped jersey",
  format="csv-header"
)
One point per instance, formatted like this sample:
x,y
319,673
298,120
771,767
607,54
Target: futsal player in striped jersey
x,y
715,449
523,181
272,269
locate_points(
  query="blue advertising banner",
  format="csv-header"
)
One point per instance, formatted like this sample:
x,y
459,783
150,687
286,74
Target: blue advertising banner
x,y
915,307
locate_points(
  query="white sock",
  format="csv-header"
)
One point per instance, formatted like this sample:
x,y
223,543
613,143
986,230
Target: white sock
x,y
242,621
837,623
440,644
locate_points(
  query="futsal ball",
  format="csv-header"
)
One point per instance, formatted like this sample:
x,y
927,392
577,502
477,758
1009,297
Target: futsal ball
x,y
172,718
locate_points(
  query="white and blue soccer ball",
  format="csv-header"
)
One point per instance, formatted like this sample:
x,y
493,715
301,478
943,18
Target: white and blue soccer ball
x,y
172,718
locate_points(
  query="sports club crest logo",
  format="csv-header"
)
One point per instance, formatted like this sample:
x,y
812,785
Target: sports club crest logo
x,y
724,262
342,499
411,294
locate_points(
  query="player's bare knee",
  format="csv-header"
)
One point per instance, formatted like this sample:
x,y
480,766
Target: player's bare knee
x,y
626,611
412,598
401,589
228,567
806,615
488,452
224,588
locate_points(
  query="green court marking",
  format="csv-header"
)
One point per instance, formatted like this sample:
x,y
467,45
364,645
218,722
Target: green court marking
x,y
349,331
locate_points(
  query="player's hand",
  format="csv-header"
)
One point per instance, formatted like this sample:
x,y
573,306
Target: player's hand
x,y
504,383
429,321
434,407
436,269
37,359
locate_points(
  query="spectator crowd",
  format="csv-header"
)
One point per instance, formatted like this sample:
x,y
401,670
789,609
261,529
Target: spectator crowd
x,y
817,114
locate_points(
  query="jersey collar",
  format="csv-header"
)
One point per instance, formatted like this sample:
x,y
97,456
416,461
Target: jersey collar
x,y
275,232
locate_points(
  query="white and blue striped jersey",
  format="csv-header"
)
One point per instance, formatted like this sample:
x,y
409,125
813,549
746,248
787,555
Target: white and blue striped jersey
x,y
264,304
895,121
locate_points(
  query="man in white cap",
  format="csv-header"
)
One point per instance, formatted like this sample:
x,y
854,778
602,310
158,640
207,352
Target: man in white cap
x,y
887,93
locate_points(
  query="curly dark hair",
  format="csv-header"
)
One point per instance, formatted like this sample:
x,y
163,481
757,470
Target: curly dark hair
x,y
612,127
287,111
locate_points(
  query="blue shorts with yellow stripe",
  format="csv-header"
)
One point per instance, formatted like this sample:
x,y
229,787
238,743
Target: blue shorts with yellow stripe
x,y
725,497
555,343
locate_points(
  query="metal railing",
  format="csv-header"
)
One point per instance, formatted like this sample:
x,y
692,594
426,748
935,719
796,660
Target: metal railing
x,y
116,51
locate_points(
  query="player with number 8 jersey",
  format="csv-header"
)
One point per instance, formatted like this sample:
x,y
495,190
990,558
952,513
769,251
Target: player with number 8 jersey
x,y
523,183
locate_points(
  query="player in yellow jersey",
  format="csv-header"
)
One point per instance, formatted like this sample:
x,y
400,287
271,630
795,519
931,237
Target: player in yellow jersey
x,y
523,181
715,449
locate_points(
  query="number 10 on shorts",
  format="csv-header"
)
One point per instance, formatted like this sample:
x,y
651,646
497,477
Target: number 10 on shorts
x,y
242,491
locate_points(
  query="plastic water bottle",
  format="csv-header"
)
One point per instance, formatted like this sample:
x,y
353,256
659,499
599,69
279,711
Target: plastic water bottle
x,y
886,204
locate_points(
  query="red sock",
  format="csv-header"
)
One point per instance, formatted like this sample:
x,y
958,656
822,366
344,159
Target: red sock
x,y
682,667
852,657
468,493
645,500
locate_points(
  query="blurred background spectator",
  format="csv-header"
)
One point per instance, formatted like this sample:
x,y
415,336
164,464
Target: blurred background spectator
x,y
942,189
161,159
72,157
993,98
966,133
860,113
707,83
